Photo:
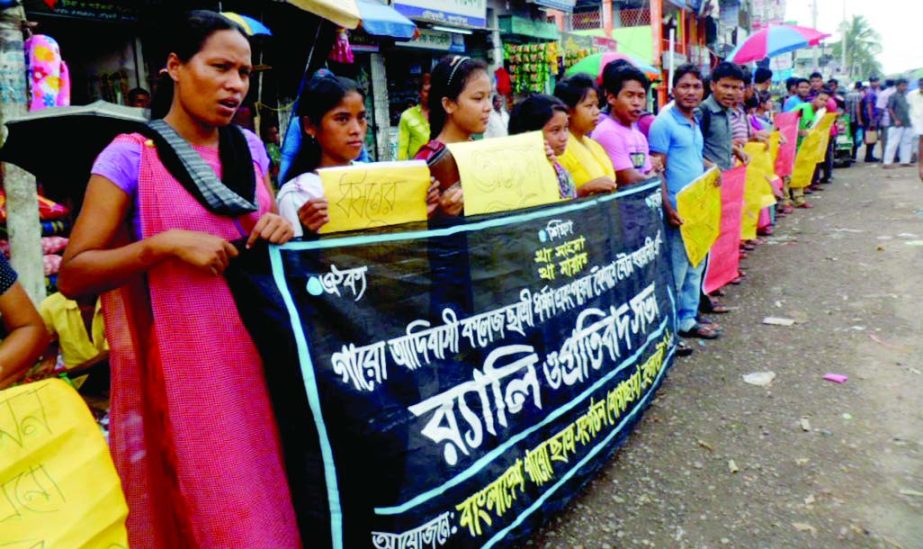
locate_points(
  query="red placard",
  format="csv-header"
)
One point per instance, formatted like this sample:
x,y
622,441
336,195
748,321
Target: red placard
x,y
787,124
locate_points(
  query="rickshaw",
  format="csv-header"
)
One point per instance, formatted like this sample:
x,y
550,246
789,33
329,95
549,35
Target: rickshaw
x,y
843,146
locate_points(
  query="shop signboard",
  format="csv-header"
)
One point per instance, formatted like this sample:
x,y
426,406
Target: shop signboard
x,y
468,13
124,11
435,40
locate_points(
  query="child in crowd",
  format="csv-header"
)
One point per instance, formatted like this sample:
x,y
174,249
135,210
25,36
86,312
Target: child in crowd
x,y
626,93
809,111
333,118
548,114
459,108
25,336
584,158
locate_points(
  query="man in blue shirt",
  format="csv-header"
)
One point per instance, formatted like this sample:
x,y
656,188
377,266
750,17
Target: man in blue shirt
x,y
676,138
803,91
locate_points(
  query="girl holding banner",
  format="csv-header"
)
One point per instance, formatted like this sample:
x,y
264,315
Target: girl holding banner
x,y
193,433
548,115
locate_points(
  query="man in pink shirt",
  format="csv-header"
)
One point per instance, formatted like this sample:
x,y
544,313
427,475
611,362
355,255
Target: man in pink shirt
x,y
626,92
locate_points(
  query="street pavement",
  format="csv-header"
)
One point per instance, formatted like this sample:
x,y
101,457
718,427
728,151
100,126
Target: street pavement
x,y
802,462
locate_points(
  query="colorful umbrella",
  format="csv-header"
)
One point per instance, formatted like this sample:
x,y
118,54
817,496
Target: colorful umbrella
x,y
775,40
249,24
593,65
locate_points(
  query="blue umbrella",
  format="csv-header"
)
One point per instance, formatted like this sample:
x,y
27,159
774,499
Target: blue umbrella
x,y
381,20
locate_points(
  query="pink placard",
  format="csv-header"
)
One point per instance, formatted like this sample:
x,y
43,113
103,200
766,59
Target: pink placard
x,y
787,124
724,259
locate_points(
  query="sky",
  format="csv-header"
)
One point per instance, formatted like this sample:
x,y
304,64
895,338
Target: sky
x,y
900,23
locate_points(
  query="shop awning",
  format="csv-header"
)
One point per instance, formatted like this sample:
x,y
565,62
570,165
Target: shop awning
x,y
561,5
512,24
342,12
381,20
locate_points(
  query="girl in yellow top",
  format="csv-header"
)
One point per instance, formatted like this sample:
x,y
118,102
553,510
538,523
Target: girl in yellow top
x,y
585,159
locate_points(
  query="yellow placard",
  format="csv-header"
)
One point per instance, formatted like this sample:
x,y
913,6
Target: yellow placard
x,y
505,173
812,151
58,487
364,196
699,206
758,190
775,141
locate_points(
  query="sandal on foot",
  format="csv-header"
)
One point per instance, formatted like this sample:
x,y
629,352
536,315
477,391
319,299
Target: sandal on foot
x,y
700,331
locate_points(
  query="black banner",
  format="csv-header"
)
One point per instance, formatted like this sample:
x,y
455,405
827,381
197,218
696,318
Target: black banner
x,y
455,385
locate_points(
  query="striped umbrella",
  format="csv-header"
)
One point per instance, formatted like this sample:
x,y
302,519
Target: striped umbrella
x,y
775,40
249,24
593,65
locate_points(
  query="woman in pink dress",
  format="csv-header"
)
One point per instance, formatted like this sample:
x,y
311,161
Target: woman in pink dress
x,y
193,434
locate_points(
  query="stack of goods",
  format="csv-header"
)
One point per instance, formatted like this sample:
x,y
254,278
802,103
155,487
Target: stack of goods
x,y
55,225
532,66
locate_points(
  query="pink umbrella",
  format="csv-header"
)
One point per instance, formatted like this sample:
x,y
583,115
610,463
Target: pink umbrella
x,y
775,40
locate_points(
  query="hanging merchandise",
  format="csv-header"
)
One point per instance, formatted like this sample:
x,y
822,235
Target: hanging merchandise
x,y
47,209
49,79
533,66
342,52
572,56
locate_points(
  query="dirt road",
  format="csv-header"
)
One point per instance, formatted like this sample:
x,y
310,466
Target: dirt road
x,y
803,462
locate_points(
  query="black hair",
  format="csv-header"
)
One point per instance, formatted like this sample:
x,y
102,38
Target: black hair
x,y
763,97
791,82
616,73
859,85
135,92
321,95
186,39
801,81
874,78
727,70
889,82
833,81
901,81
573,90
825,90
816,75
448,79
748,75
534,112
683,70
762,75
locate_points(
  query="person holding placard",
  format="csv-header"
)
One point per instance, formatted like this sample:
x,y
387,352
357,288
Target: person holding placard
x,y
584,158
548,115
334,120
676,138
459,108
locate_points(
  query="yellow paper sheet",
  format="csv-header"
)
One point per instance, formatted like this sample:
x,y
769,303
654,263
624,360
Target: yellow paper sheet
x,y
58,487
699,206
364,196
505,173
758,190
812,151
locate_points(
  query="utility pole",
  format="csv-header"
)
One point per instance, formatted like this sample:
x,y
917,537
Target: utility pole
x,y
814,26
22,221
845,27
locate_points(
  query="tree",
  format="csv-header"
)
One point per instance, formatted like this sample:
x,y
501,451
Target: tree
x,y
863,46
